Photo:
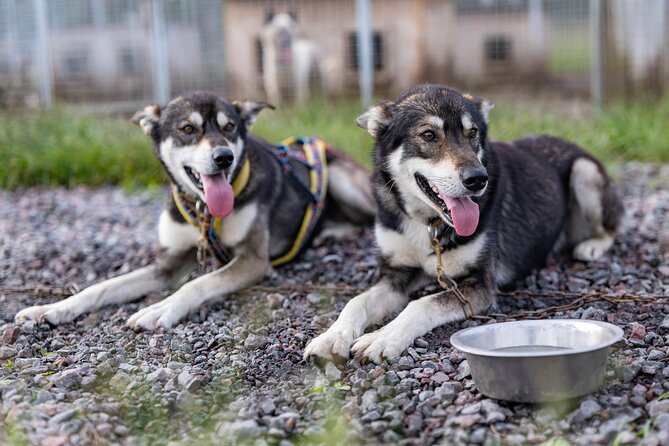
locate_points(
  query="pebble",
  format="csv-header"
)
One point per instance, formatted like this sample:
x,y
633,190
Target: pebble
x,y
275,300
11,334
7,352
253,342
657,407
332,372
67,379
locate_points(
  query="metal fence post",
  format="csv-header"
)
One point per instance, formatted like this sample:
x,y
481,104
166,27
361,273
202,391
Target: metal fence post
x,y
42,55
161,68
597,54
536,27
365,51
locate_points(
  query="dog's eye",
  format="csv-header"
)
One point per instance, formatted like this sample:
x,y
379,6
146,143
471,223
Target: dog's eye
x,y
428,135
471,133
230,126
188,129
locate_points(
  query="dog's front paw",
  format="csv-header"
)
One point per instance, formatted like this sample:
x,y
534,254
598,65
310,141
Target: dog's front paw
x,y
377,346
333,345
592,249
44,313
160,315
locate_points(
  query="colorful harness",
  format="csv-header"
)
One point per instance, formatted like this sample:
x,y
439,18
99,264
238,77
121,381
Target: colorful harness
x,y
309,151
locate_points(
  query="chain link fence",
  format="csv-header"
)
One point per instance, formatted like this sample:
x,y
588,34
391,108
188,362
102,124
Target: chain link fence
x,y
118,53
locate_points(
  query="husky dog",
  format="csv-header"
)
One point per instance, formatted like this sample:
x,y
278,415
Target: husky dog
x,y
290,64
256,196
495,210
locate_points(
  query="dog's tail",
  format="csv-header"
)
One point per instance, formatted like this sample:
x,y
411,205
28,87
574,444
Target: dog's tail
x,y
350,185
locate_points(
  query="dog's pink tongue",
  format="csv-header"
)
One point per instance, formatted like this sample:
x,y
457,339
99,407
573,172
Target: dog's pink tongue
x,y
465,214
218,194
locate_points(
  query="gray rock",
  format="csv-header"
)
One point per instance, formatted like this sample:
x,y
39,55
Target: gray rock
x,y
589,408
371,416
120,381
630,371
414,423
43,396
178,345
189,381
478,435
369,398
63,416
88,381
239,430
267,406
657,407
332,372
315,298
439,377
448,391
254,341
128,368
463,370
378,426
161,374
67,379
275,300
471,409
7,352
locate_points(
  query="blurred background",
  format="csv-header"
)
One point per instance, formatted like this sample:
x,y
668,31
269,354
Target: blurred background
x,y
73,71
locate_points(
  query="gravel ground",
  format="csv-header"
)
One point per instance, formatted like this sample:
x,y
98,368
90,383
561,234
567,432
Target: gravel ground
x,y
233,373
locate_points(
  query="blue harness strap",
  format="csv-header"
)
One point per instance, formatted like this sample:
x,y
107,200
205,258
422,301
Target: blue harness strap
x,y
311,152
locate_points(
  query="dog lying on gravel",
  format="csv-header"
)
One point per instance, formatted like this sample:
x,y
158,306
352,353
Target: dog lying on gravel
x,y
234,196
492,212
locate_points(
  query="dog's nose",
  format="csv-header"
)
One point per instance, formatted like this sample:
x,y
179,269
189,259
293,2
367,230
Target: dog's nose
x,y
474,178
223,157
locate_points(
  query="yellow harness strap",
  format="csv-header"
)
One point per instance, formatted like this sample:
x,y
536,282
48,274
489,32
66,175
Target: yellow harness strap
x,y
313,187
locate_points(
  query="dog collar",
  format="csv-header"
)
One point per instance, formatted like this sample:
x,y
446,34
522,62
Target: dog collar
x,y
239,184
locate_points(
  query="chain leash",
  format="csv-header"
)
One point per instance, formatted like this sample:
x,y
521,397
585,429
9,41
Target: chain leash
x,y
203,222
445,282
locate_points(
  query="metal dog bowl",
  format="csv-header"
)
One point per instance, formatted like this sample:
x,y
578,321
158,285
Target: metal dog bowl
x,y
539,360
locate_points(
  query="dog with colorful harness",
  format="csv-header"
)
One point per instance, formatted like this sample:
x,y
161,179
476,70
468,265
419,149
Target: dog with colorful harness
x,y
247,203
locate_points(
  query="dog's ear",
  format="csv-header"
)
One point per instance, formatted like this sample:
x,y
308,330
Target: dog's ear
x,y
377,119
147,118
248,110
483,105
269,16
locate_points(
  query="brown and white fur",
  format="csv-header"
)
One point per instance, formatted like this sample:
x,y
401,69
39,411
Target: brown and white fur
x,y
202,135
503,208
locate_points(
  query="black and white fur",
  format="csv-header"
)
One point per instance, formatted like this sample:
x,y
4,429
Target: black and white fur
x,y
186,135
533,194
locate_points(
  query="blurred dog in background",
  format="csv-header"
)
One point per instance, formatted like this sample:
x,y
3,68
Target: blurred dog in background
x,y
291,65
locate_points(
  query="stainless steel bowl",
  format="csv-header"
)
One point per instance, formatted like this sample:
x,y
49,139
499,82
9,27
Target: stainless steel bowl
x,y
539,360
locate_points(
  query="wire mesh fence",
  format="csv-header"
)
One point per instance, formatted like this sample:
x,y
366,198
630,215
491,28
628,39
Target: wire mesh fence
x,y
119,52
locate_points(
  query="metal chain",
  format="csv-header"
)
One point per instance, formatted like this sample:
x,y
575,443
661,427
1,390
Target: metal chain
x,y
445,282
203,220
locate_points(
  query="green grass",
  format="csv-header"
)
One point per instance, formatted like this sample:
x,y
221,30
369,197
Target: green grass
x,y
62,147
624,132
